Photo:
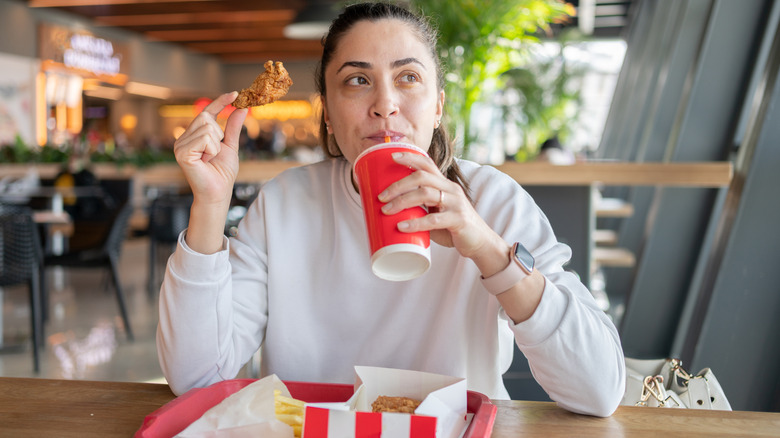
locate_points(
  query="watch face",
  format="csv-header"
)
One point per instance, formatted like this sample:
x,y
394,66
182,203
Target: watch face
x,y
524,258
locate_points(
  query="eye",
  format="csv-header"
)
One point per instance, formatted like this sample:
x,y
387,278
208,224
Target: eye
x,y
357,80
409,78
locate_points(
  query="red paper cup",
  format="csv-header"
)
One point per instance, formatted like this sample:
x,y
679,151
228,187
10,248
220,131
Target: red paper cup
x,y
395,256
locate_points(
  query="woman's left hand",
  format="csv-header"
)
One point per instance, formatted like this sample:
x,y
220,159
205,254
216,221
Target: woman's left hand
x,y
452,220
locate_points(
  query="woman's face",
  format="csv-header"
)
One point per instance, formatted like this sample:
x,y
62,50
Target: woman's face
x,y
381,82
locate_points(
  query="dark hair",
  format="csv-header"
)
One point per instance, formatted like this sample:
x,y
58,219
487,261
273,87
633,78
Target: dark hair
x,y
441,148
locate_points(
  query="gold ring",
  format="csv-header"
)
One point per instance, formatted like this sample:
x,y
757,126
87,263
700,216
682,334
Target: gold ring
x,y
441,197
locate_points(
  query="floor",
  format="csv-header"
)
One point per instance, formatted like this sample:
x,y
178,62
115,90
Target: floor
x,y
84,333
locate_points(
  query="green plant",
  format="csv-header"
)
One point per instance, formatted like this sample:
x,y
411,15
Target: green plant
x,y
539,97
51,154
479,41
16,152
21,153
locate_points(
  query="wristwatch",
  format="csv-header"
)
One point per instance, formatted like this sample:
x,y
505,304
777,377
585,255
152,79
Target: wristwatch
x,y
521,265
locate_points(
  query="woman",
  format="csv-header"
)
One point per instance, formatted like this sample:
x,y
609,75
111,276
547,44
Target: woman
x,y
296,279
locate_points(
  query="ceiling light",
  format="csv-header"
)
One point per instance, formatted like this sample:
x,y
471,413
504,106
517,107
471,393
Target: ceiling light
x,y
313,21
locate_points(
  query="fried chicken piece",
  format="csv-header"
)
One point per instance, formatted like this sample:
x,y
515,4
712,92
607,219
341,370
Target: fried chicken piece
x,y
267,87
395,404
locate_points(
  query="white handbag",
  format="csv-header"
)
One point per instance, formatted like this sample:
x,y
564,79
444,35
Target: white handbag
x,y
664,383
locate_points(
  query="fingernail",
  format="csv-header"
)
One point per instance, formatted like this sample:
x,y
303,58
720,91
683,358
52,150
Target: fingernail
x,y
397,155
382,196
387,207
403,225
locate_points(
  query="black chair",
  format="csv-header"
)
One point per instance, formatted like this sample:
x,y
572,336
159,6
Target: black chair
x,y
20,263
97,212
105,255
169,214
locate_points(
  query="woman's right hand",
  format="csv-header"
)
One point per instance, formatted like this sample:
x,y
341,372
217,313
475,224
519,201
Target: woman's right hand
x,y
209,157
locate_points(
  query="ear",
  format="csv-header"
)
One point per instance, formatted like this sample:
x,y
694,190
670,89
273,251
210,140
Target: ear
x,y
325,116
440,106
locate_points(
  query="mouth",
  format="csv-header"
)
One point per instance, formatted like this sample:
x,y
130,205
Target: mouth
x,y
385,136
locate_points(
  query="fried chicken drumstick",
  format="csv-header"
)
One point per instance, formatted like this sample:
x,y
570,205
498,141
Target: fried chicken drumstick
x,y
267,87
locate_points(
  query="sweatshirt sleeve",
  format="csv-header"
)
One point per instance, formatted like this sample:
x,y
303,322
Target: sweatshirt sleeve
x,y
572,347
212,315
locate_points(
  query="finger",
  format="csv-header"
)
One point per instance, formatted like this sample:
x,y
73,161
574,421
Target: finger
x,y
212,148
425,196
199,120
198,137
197,149
429,222
233,127
416,161
218,104
419,179
211,140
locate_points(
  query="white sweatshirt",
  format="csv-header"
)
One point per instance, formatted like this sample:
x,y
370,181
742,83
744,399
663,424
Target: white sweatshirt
x,y
297,281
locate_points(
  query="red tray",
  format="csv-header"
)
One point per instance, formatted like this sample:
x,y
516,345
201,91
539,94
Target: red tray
x,y
176,415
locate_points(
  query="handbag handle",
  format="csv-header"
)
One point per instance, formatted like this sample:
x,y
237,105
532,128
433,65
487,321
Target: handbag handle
x,y
679,371
653,386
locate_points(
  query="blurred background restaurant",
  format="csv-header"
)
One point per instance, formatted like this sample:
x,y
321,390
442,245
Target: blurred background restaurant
x,y
646,130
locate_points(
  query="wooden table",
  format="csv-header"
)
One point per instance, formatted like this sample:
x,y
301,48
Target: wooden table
x,y
543,419
76,408
71,408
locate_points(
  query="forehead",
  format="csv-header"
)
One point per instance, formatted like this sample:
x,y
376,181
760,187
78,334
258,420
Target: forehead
x,y
382,39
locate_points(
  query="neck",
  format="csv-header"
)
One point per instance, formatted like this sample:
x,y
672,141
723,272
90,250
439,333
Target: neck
x,y
352,178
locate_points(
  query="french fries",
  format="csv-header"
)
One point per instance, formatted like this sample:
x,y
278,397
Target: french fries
x,y
289,411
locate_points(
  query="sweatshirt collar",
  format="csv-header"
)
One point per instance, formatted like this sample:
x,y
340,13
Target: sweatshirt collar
x,y
347,183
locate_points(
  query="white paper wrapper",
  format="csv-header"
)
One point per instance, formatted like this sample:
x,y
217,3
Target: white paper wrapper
x,y
248,412
443,397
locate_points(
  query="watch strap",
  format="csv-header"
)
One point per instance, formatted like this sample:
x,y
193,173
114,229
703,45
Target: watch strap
x,y
503,280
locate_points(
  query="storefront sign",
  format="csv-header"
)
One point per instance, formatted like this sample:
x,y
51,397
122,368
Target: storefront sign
x,y
81,52
92,54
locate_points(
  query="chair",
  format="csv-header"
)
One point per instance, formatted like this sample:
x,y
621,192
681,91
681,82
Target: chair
x,y
20,263
96,213
168,215
106,255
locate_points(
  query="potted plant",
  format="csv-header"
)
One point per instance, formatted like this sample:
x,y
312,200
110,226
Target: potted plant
x,y
540,99
480,40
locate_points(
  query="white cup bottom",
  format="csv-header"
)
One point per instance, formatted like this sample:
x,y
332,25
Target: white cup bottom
x,y
401,262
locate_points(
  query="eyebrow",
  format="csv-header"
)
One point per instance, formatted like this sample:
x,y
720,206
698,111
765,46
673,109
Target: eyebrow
x,y
356,64
406,61
367,65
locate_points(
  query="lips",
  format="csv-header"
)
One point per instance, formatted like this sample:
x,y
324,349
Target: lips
x,y
380,136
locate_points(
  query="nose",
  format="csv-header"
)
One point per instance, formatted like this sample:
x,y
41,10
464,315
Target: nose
x,y
385,102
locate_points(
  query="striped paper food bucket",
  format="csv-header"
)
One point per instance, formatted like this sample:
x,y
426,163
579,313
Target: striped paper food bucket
x,y
329,423
442,412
